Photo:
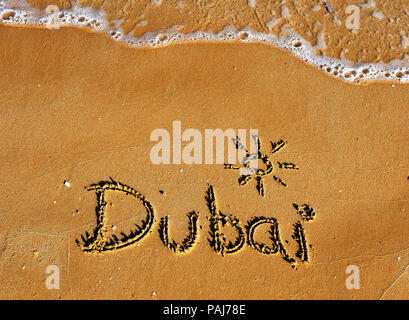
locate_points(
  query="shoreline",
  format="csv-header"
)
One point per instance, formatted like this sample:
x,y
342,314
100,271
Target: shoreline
x,y
72,15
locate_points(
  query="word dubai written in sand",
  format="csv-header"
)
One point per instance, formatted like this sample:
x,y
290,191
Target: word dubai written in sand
x,y
100,242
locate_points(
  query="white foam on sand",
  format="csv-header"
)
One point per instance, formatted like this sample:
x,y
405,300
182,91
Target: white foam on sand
x,y
22,14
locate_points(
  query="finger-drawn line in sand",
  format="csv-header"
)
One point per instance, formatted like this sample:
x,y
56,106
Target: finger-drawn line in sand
x,y
257,173
305,211
188,242
277,247
99,242
299,236
218,220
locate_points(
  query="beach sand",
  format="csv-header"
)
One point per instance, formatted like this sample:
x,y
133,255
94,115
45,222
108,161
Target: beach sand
x,y
78,108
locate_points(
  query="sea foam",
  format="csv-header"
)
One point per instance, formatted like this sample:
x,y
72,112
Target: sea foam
x,y
21,13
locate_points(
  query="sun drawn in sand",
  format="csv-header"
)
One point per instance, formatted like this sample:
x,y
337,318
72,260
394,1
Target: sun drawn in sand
x,y
259,174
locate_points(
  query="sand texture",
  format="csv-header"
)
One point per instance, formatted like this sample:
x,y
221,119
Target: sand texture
x,y
79,190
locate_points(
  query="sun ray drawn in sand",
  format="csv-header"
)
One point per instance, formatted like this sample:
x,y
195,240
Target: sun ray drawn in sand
x,y
269,168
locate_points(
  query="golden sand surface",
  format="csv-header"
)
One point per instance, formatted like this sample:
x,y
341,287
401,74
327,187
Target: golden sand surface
x,y
77,112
